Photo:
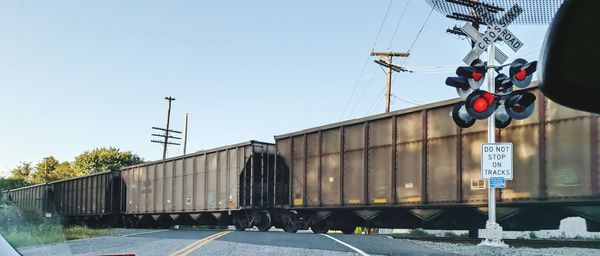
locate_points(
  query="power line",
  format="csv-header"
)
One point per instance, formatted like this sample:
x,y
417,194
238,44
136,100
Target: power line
x,y
367,60
419,33
296,94
377,100
409,101
398,24
363,93
416,38
409,50
527,51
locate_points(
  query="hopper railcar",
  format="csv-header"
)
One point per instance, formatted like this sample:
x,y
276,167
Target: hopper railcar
x,y
33,198
416,168
91,199
222,186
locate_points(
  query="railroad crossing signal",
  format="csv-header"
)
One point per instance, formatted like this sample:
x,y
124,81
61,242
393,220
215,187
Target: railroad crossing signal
x,y
521,72
469,78
504,102
499,103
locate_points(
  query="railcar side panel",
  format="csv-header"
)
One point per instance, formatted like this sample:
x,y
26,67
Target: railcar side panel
x,y
379,161
330,167
567,152
409,143
354,168
188,187
441,156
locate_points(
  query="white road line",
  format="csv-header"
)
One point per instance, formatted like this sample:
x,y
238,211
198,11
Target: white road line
x,y
359,251
142,233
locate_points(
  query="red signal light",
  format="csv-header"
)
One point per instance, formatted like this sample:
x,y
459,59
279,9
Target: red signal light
x,y
476,76
488,97
521,75
480,105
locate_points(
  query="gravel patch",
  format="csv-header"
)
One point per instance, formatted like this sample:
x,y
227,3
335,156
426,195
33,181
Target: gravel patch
x,y
521,251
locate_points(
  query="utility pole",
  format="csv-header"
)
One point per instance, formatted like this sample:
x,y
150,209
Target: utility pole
x,y
170,99
166,131
390,67
185,130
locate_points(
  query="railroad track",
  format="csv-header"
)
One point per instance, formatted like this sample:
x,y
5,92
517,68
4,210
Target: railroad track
x,y
532,243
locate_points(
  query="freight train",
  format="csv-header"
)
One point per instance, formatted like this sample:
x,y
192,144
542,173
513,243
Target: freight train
x,y
404,169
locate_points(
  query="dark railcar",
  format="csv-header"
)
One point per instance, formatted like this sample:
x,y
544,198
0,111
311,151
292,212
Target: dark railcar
x,y
416,168
227,185
91,199
34,197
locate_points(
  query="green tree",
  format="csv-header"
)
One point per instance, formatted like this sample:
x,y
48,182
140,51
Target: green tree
x,y
102,159
22,172
7,183
50,169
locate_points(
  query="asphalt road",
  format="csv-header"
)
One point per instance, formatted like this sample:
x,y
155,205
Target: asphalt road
x,y
217,242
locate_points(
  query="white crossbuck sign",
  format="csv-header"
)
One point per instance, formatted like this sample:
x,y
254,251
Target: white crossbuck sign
x,y
496,31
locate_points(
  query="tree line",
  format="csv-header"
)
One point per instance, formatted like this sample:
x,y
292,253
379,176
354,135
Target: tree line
x,y
50,169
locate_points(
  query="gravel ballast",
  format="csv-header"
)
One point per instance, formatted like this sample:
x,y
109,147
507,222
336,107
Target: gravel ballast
x,y
463,249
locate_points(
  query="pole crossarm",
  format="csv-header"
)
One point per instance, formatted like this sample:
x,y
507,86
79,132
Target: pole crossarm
x,y
162,142
163,135
162,129
393,66
472,3
388,63
388,54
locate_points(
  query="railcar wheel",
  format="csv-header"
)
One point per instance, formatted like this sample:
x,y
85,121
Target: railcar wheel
x,y
133,221
240,223
320,227
290,222
348,230
264,221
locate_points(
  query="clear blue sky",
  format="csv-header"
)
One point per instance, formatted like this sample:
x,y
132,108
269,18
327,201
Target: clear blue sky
x,y
76,75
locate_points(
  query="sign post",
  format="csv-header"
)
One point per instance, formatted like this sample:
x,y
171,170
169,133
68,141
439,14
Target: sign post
x,y
496,167
493,231
497,30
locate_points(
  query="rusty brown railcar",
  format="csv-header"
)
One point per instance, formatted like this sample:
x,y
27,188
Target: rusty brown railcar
x,y
227,185
416,168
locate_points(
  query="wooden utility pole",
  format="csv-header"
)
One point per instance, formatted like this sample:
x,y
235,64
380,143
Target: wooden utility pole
x,y
170,99
166,131
185,133
390,67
